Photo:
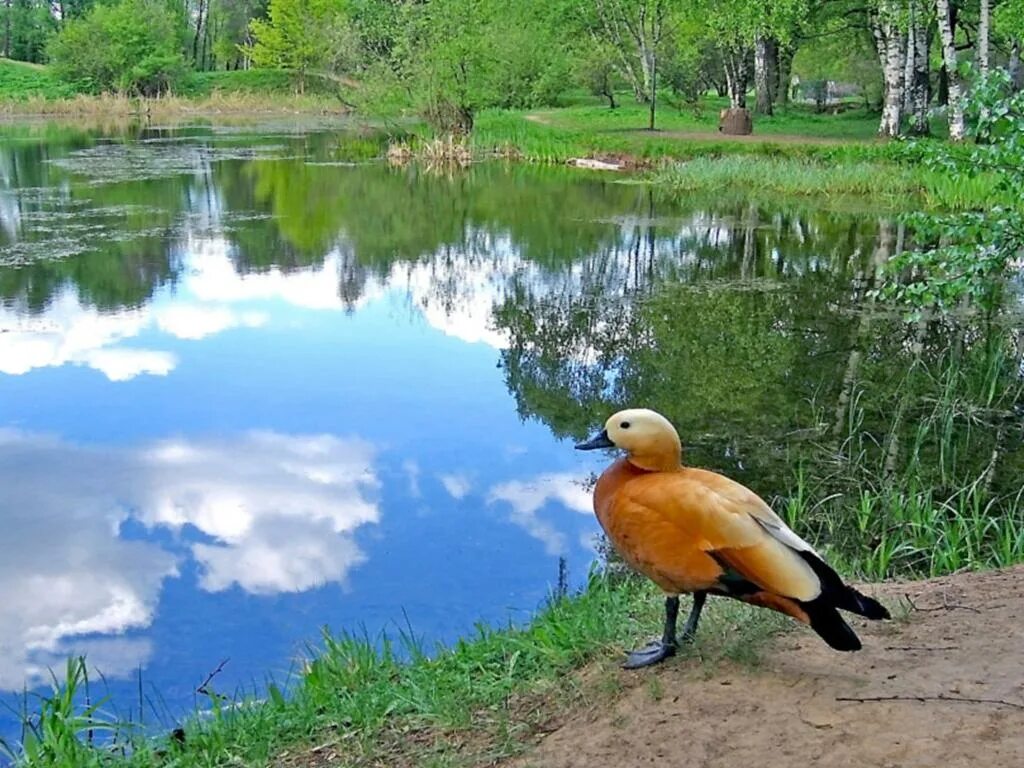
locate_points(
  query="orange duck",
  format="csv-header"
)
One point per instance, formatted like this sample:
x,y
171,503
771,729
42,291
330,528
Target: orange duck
x,y
694,531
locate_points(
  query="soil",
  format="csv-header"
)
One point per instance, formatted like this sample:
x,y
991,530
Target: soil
x,y
940,685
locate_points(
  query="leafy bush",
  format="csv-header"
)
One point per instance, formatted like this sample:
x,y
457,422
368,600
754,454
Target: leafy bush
x,y
132,47
966,257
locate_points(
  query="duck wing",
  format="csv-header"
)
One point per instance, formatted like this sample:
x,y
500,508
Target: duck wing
x,y
731,524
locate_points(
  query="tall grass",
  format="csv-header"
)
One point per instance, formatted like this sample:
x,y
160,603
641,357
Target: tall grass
x,y
790,177
925,496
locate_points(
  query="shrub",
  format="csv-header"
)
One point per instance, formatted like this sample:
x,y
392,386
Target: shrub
x,y
131,47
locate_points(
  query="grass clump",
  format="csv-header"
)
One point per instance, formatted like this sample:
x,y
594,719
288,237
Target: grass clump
x,y
393,702
789,177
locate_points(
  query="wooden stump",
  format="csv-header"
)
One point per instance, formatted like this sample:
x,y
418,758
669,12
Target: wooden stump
x,y
735,121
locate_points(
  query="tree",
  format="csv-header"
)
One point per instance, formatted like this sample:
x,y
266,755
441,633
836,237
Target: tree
x,y
917,86
133,47
632,29
295,36
885,21
984,26
955,105
231,37
448,59
738,26
27,24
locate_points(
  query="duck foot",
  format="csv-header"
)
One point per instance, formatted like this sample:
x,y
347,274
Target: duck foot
x,y
652,653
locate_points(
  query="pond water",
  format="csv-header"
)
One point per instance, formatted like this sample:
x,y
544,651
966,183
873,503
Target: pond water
x,y
249,388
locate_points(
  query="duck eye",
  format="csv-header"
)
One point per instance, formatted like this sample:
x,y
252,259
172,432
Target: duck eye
x,y
624,425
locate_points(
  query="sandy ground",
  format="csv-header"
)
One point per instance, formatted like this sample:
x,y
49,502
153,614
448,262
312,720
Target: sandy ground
x,y
941,686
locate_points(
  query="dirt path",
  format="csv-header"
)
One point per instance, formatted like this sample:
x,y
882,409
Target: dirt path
x,y
961,651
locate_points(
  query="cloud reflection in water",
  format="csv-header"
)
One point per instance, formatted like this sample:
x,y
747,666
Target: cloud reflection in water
x,y
275,513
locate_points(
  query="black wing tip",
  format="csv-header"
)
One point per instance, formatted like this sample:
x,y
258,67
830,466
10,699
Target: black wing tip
x,y
830,626
871,608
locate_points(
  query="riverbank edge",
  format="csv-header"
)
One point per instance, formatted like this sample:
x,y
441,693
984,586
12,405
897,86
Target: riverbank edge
x,y
361,699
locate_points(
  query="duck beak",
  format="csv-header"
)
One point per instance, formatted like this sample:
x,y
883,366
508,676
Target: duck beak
x,y
601,441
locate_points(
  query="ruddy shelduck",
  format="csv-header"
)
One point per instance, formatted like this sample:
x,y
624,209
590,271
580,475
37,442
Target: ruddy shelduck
x,y
694,531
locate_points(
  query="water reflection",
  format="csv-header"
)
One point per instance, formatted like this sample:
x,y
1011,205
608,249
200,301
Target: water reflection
x,y
267,512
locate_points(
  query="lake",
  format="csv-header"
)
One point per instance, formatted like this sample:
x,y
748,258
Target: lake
x,y
252,386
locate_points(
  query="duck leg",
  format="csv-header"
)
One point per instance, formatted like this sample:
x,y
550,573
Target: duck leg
x,y
659,650
690,627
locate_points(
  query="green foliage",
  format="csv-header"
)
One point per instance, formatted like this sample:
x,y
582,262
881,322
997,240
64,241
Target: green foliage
x,y
1008,19
131,47
449,59
966,258
298,35
29,23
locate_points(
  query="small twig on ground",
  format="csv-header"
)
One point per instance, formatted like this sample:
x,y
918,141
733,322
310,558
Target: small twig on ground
x,y
926,699
202,687
944,607
922,647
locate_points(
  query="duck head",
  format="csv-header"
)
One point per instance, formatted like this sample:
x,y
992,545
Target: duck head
x,y
648,438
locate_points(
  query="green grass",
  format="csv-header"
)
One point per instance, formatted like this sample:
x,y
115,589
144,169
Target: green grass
x,y
925,498
794,121
397,703
265,82
20,81
791,177
557,141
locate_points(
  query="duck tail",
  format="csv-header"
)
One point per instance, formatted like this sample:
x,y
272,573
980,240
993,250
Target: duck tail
x,y
841,595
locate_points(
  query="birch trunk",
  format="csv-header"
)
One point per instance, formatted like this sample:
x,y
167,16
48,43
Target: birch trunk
x,y
737,75
908,64
646,68
762,76
7,31
889,43
984,24
955,106
921,81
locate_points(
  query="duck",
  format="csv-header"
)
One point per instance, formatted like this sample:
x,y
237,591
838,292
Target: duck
x,y
693,531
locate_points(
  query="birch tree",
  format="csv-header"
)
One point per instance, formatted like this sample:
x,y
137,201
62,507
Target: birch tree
x,y
955,105
918,81
633,30
890,39
743,31
984,25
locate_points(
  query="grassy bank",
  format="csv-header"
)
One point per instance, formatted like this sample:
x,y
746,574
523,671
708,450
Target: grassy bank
x,y
32,90
365,703
797,153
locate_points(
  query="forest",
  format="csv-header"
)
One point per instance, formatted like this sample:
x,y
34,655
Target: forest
x,y
446,60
